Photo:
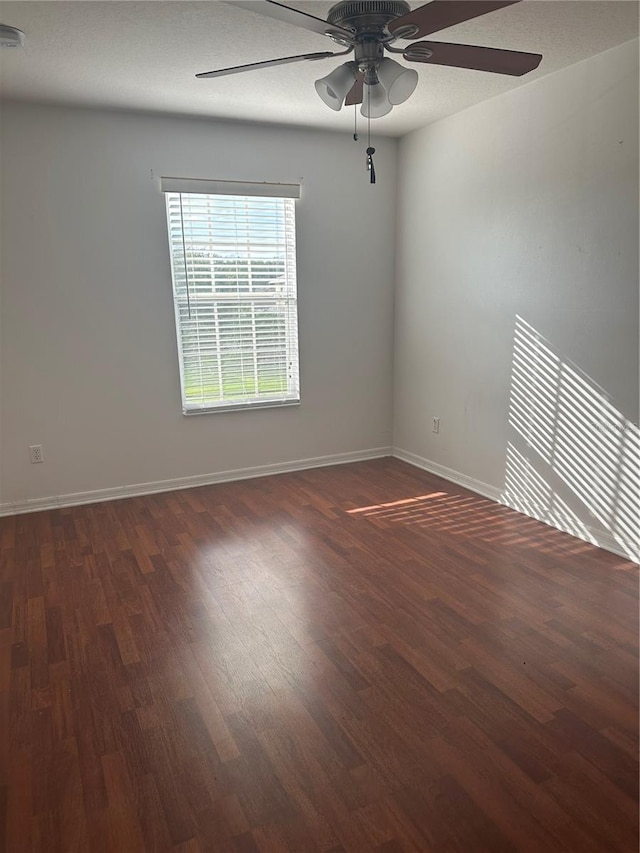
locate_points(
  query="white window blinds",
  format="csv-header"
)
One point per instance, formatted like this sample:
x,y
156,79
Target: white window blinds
x,y
233,259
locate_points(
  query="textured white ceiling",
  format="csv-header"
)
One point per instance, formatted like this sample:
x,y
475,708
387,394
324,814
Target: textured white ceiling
x,y
144,55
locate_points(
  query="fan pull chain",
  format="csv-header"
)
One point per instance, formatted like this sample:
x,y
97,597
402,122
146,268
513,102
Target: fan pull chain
x,y
372,172
355,122
370,151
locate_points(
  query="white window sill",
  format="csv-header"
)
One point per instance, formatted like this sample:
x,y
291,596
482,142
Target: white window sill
x,y
237,407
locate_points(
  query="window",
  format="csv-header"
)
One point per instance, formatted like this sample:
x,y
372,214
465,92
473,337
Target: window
x,y
233,261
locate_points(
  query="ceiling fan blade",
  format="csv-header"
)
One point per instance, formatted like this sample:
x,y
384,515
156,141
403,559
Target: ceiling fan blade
x,y
513,62
355,93
253,66
280,12
440,14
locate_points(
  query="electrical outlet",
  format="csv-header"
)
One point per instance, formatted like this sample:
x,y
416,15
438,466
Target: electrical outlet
x,y
35,453
436,424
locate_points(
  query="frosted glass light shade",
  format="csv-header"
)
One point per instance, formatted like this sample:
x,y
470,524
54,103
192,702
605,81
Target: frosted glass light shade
x,y
335,87
399,81
375,102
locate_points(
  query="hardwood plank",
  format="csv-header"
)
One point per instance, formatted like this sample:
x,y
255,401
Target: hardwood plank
x,y
350,659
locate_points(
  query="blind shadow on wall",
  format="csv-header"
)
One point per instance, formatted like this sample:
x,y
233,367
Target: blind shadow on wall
x,y
573,460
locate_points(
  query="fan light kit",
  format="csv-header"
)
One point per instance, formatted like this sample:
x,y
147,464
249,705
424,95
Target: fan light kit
x,y
11,36
368,28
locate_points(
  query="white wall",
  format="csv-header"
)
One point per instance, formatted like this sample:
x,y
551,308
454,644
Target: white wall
x,y
523,211
89,358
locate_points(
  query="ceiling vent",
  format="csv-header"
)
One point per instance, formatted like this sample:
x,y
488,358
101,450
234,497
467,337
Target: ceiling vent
x,y
11,36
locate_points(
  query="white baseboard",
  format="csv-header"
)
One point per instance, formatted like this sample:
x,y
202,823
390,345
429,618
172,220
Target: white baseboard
x,y
118,492
599,538
456,477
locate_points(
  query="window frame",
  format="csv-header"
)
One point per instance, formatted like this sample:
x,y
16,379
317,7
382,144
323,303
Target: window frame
x,y
239,190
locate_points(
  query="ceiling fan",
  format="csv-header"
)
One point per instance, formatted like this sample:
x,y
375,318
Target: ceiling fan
x,y
368,28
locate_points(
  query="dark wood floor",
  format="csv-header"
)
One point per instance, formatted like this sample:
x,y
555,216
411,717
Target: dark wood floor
x,y
360,658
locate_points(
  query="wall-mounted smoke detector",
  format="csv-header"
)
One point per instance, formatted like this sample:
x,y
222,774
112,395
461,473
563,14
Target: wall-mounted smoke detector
x,y
11,36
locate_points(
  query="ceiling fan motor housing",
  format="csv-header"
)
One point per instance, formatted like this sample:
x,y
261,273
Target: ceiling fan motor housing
x,y
366,17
